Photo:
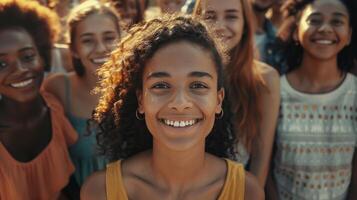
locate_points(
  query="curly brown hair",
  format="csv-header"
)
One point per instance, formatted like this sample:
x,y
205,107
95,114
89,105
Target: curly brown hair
x,y
39,21
121,134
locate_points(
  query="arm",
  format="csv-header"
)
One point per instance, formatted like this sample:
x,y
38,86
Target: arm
x,y
270,188
94,187
253,191
352,192
262,147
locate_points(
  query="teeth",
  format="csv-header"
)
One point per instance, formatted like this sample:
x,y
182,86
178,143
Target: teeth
x,y
324,41
22,84
179,123
100,60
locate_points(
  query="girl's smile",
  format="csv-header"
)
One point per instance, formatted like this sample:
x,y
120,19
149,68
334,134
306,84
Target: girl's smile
x,y
180,97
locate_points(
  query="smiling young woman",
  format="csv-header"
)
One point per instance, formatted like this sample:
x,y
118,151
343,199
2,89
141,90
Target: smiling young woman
x,y
163,116
252,87
34,133
316,135
93,33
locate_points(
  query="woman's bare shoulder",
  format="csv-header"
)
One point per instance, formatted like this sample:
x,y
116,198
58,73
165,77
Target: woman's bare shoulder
x,y
94,187
269,74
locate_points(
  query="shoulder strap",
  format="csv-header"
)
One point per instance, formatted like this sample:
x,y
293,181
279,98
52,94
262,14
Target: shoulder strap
x,y
240,174
234,187
114,185
67,93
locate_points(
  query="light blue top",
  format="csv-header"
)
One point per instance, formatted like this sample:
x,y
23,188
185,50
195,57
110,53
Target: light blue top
x,y
84,152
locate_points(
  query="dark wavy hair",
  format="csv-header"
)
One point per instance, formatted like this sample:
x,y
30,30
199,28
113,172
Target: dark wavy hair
x,y
40,22
78,14
121,134
124,4
293,52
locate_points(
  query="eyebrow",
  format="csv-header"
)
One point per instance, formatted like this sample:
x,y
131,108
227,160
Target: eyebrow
x,y
232,10
158,75
90,34
85,34
198,74
338,14
21,50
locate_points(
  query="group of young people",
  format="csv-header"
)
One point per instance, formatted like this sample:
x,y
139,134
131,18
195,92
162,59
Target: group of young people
x,y
177,107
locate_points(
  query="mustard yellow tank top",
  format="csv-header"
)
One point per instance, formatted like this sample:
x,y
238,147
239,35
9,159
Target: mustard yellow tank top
x,y
233,188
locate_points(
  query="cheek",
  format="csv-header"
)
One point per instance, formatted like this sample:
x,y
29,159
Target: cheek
x,y
208,104
83,50
344,34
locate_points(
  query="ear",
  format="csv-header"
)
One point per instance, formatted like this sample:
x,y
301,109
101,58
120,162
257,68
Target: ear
x,y
220,97
139,97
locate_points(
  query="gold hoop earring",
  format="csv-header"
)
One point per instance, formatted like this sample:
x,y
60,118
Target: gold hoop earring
x,y
220,115
137,115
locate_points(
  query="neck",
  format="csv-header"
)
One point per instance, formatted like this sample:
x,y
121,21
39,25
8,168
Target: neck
x,y
89,81
177,169
318,75
21,111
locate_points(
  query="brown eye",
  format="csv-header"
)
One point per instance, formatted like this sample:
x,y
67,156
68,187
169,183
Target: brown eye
x,y
29,57
3,65
161,85
198,85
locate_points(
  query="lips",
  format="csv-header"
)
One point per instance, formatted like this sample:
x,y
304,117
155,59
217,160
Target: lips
x,y
180,123
22,84
324,41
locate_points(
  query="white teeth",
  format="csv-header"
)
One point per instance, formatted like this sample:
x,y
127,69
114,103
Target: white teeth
x,y
324,41
179,123
22,84
100,60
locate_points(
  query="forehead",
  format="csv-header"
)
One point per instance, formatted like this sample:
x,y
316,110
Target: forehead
x,y
326,7
14,39
181,58
96,23
218,5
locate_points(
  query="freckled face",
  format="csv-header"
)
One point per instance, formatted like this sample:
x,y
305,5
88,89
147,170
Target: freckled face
x,y
226,20
94,39
180,96
323,30
21,67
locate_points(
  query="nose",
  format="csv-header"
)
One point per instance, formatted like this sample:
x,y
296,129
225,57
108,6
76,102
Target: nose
x,y
180,101
219,28
325,27
101,47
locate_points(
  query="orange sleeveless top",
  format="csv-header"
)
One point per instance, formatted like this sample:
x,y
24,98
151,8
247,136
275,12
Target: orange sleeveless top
x,y
233,187
46,175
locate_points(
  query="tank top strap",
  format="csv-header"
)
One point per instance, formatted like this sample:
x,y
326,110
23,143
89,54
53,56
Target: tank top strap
x,y
114,183
234,186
